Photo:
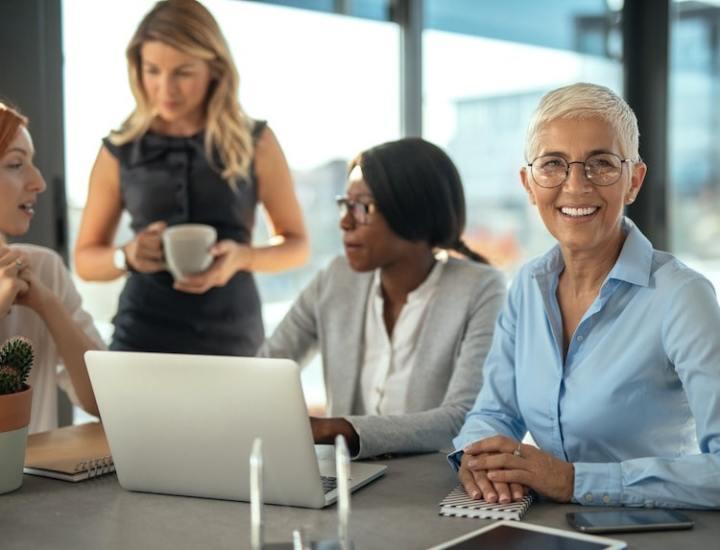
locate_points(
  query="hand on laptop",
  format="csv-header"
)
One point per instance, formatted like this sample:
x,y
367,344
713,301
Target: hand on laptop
x,y
325,430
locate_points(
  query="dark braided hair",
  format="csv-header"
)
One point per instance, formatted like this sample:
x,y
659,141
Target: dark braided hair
x,y
468,252
418,190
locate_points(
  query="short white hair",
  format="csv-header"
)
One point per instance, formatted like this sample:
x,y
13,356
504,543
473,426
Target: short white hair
x,y
582,101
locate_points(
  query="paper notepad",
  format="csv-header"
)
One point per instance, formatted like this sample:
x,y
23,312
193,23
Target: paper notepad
x,y
72,453
459,504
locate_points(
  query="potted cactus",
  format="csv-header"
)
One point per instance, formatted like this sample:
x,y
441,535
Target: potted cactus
x,y
16,359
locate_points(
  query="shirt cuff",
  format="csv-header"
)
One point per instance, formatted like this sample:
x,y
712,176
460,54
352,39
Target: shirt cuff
x,y
598,484
362,450
454,459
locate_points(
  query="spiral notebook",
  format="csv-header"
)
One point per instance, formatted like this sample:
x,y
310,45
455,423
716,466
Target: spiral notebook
x,y
72,453
459,504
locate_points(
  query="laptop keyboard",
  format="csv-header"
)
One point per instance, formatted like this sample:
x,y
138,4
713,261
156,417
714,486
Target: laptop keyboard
x,y
328,483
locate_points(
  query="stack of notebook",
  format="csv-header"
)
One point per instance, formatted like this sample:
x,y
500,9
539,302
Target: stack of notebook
x,y
459,504
73,453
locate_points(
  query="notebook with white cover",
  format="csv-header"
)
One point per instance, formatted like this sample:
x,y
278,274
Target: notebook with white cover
x,y
459,504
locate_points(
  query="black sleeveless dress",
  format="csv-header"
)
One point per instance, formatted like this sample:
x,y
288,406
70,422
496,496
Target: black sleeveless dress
x,y
168,178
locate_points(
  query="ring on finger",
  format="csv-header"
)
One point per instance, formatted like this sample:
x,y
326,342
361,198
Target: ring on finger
x,y
19,263
517,452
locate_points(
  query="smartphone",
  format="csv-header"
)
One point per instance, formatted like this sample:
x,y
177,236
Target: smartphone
x,y
628,520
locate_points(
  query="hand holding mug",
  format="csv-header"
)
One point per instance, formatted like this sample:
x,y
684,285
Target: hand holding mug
x,y
145,252
229,257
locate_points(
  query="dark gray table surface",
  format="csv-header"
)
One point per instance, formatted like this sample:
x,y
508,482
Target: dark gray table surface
x,y
397,511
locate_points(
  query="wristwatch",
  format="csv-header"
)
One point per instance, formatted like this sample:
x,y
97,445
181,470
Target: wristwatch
x,y
120,259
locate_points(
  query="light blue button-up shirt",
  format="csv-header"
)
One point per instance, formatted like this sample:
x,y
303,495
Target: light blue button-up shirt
x,y
635,405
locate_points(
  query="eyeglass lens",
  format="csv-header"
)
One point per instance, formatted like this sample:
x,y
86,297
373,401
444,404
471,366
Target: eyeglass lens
x,y
600,169
360,210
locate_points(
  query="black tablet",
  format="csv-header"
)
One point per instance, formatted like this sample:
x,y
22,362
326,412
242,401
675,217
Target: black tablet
x,y
513,535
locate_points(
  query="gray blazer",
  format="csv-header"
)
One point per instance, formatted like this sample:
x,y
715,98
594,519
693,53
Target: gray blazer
x,y
329,316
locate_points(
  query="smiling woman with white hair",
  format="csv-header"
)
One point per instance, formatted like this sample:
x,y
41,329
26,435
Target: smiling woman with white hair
x,y
606,350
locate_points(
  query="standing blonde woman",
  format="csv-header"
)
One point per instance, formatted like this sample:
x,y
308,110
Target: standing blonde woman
x,y
188,154
37,297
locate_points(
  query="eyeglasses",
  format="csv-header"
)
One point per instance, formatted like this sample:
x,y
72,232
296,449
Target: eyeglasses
x,y
601,169
361,211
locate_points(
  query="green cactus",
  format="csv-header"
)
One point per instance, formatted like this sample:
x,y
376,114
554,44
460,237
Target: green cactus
x,y
16,359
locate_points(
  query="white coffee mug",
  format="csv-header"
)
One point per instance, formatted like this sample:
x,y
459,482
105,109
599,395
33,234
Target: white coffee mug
x,y
187,248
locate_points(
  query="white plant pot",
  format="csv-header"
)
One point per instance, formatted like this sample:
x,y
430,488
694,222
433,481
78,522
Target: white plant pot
x,y
14,420
12,458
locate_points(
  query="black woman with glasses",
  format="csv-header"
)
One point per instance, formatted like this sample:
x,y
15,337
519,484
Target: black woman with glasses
x,y
403,329
606,351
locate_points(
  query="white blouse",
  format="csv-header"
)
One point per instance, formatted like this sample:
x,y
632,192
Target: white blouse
x,y
47,372
388,362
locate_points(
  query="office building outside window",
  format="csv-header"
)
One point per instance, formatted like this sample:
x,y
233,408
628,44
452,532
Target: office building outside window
x,y
694,136
484,71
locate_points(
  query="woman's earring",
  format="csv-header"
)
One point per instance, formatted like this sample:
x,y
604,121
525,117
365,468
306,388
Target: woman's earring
x,y
630,200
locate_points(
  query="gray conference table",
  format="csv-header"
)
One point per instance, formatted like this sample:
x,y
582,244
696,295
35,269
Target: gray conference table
x,y
397,511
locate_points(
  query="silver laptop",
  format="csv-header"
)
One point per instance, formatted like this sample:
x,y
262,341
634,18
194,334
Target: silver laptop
x,y
185,424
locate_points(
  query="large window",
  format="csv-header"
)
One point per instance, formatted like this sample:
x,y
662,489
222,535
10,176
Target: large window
x,y
327,84
694,136
484,71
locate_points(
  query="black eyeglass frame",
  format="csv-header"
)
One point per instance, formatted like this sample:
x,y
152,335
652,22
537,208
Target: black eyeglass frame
x,y
585,169
362,216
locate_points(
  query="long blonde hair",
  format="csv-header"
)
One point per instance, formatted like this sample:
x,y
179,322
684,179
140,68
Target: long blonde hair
x,y
189,27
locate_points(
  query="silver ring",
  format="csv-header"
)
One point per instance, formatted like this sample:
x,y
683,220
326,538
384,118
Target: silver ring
x,y
18,263
517,452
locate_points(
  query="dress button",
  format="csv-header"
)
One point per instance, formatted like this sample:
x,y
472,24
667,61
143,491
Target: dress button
x,y
580,338
606,499
588,497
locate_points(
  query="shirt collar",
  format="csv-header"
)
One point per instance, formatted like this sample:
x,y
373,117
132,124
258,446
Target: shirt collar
x,y
634,265
426,287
